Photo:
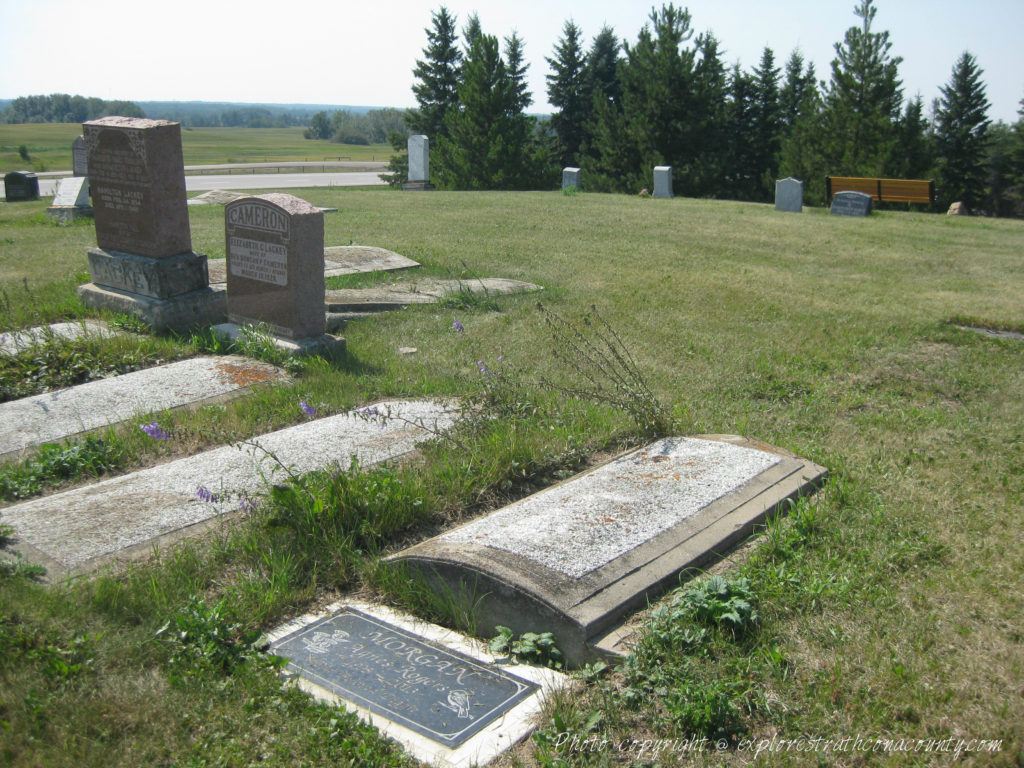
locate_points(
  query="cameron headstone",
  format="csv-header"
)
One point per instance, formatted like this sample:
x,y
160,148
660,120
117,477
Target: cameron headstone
x,y
663,181
850,203
789,195
275,264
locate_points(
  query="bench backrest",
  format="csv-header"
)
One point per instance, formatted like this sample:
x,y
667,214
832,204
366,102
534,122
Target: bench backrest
x,y
884,190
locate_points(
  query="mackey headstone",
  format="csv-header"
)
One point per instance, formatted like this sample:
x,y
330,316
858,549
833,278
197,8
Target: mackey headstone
x,y
789,195
275,264
571,178
663,181
79,159
137,180
850,203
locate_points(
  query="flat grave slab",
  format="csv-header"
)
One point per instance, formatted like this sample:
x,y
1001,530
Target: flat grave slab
x,y
426,291
52,416
576,558
12,342
339,260
436,692
126,517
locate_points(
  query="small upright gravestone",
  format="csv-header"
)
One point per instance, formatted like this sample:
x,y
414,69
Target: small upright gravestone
x,y
663,181
21,185
144,264
789,195
571,178
79,161
419,163
71,200
850,203
275,271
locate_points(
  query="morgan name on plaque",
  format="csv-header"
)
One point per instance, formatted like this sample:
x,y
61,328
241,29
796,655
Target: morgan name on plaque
x,y
438,693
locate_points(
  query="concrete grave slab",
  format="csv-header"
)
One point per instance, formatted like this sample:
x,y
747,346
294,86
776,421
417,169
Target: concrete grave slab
x,y
438,693
216,197
576,558
12,342
426,291
126,517
52,416
339,260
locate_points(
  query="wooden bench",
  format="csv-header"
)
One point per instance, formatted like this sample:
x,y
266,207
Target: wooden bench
x,y
884,190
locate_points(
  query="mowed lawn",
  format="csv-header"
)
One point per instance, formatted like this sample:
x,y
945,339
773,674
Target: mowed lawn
x,y
893,609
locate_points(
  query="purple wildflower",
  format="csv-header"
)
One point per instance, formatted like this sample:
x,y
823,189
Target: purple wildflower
x,y
205,494
458,326
153,430
248,507
308,409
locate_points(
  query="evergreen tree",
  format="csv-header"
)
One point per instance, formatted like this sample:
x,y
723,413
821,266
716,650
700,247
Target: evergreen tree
x,y
567,93
799,90
802,151
961,128
708,119
862,105
741,174
1015,172
914,155
516,69
438,77
767,125
601,75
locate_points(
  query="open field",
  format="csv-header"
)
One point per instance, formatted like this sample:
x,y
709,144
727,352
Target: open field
x,y
49,146
890,602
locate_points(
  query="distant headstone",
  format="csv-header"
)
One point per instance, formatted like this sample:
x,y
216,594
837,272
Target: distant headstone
x,y
79,159
419,163
849,203
663,181
21,185
789,195
144,264
957,209
571,178
71,199
275,270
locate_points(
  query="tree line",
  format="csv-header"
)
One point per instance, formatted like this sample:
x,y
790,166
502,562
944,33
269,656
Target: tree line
x,y
669,99
64,108
347,127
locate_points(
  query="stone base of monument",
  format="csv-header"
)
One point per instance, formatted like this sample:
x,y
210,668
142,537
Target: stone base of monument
x,y
66,213
576,559
323,344
441,695
202,307
417,186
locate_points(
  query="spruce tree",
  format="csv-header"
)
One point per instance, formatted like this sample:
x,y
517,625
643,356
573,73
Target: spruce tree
x,y
767,125
567,93
914,155
863,101
601,76
961,128
740,173
438,77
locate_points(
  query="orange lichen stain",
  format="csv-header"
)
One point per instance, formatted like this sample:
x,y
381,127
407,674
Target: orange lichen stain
x,y
245,374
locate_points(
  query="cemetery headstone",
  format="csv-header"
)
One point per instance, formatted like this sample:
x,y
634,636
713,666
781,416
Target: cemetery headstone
x,y
144,264
850,203
71,199
575,559
663,181
419,163
21,185
79,159
789,195
571,178
275,269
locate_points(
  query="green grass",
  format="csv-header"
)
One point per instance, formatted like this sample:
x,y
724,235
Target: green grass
x,y
49,146
887,605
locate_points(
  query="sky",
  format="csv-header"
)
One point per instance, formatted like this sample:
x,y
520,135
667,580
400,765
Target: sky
x,y
362,53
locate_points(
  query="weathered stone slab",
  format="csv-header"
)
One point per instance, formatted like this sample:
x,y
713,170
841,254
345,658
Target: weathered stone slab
x,y
438,693
53,416
426,291
216,197
72,191
574,559
850,203
340,260
15,341
571,177
125,517
663,181
789,195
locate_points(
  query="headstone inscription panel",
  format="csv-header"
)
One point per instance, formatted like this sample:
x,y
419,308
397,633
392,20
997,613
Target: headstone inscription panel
x,y
849,203
137,178
275,264
72,191
571,178
79,159
789,195
21,185
663,181
436,692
